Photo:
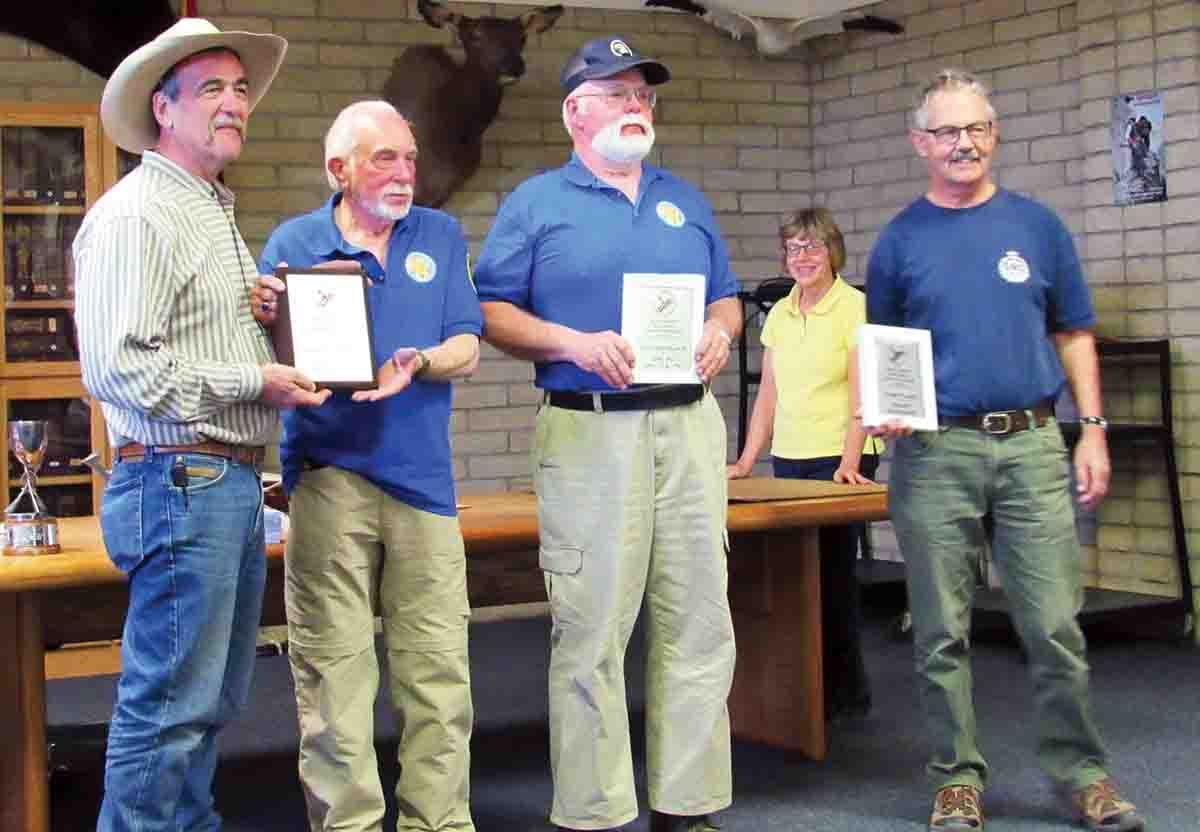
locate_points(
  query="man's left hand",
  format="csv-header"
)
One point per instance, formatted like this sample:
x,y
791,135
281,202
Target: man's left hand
x,y
1092,467
712,352
393,376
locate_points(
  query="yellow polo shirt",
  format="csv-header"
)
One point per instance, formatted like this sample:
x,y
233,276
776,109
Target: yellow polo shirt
x,y
810,352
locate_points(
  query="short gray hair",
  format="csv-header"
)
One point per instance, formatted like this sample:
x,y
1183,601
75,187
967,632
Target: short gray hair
x,y
949,80
580,100
343,133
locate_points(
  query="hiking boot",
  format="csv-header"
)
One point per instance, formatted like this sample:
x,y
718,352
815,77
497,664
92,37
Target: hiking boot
x,y
660,822
1102,809
956,809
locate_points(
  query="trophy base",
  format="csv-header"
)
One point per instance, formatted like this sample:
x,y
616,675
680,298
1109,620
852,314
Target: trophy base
x,y
26,535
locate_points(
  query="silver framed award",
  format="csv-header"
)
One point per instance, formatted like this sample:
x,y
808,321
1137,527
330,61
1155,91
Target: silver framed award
x,y
895,376
662,318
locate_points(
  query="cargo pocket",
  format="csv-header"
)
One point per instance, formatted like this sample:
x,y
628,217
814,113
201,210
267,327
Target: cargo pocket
x,y
121,520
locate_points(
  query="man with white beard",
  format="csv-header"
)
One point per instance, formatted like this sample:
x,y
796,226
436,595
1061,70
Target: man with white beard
x,y
629,477
371,486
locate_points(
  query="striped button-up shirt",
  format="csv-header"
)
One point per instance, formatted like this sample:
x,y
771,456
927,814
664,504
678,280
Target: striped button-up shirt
x,y
167,341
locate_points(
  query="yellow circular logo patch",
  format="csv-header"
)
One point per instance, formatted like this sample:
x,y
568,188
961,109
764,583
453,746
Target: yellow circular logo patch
x,y
420,266
669,213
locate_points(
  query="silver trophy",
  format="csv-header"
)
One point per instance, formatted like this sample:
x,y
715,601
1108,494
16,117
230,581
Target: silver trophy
x,y
33,531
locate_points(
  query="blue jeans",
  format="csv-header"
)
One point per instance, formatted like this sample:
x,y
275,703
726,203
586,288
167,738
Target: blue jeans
x,y
942,484
847,688
196,564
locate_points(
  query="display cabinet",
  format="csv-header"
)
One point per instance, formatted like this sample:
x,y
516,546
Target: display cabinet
x,y
52,169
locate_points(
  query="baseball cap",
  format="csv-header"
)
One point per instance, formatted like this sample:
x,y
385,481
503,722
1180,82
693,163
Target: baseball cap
x,y
608,56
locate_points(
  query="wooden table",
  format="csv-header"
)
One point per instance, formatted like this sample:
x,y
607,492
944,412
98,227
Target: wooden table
x,y
774,589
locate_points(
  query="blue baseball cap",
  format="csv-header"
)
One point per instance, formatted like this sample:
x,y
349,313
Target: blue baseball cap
x,y
608,56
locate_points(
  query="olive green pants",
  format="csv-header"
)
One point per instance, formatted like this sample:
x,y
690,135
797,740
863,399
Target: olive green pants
x,y
941,485
354,553
632,511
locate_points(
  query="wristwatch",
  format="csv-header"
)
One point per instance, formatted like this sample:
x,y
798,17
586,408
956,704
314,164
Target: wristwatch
x,y
423,363
1099,421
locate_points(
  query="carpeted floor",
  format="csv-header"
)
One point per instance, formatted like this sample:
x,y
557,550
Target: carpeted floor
x,y
1146,699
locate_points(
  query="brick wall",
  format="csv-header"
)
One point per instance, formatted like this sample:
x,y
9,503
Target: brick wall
x,y
761,137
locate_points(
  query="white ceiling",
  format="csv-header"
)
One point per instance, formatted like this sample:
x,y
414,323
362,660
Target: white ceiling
x,y
791,9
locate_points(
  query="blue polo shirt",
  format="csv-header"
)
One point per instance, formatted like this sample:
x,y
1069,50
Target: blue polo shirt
x,y
402,443
564,240
990,283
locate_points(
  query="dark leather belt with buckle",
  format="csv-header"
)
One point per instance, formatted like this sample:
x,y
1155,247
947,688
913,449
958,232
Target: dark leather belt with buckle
x,y
245,454
1004,422
657,397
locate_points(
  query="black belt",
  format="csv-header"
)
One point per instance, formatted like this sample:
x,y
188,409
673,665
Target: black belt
x,y
1004,422
656,397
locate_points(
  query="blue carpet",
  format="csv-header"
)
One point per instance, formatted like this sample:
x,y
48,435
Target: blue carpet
x,y
1144,698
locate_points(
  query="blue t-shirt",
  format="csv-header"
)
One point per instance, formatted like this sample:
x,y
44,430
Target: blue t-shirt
x,y
563,241
402,443
990,283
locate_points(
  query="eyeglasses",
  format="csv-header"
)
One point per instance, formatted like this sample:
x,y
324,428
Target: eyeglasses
x,y
948,134
795,248
618,96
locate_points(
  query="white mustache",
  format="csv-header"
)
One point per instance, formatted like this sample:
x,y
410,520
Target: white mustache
x,y
636,119
399,190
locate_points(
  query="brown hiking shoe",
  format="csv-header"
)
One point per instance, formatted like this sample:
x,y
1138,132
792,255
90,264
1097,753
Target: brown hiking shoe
x,y
956,809
1102,808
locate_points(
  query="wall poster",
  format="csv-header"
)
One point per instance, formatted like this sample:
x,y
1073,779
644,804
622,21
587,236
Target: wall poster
x,y
1139,167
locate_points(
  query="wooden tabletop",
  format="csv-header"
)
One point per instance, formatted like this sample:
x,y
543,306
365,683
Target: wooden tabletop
x,y
491,523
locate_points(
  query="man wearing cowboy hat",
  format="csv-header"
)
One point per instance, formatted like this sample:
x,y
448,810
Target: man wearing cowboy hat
x,y
190,393
630,478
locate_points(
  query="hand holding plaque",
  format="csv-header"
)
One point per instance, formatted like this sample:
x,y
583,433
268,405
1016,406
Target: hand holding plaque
x,y
895,376
323,325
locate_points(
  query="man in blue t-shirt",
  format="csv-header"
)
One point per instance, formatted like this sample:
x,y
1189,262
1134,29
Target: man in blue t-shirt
x,y
630,478
371,486
994,277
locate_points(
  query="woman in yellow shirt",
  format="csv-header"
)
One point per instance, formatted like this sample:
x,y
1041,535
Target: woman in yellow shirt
x,y
807,399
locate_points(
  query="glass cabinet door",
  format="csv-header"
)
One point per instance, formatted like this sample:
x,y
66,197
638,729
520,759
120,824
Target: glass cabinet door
x,y
49,175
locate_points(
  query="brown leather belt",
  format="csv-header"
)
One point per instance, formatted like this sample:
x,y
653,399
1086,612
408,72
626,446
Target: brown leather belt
x,y
245,454
1004,422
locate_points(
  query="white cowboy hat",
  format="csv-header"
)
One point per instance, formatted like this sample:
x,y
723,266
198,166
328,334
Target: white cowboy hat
x,y
125,106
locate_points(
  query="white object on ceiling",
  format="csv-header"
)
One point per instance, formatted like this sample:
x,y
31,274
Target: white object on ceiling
x,y
783,9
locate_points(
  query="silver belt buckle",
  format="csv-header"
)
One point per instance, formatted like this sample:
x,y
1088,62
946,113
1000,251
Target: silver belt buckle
x,y
996,423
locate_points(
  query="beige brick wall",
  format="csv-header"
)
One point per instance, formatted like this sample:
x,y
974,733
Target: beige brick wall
x,y
824,127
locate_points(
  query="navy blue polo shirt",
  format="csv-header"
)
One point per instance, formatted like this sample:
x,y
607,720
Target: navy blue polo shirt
x,y
402,443
990,283
564,240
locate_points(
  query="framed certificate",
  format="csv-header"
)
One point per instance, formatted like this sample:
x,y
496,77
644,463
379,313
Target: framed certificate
x,y
324,326
895,376
662,316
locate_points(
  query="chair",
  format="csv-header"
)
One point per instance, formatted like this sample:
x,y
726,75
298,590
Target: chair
x,y
756,302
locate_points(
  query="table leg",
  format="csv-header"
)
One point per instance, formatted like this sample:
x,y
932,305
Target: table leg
x,y
775,595
24,781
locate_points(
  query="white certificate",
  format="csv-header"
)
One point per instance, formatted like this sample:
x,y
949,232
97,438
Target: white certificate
x,y
895,376
324,327
662,317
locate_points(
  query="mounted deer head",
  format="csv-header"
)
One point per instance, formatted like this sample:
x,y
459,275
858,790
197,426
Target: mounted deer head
x,y
449,105
95,35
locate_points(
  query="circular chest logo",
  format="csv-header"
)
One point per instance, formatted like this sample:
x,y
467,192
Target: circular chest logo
x,y
619,48
1013,268
420,266
669,213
